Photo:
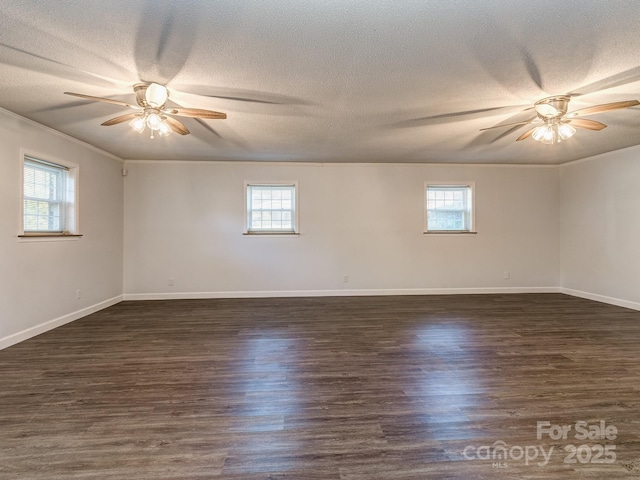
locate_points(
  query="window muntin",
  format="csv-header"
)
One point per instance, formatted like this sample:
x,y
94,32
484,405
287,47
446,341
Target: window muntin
x,y
48,197
449,208
271,208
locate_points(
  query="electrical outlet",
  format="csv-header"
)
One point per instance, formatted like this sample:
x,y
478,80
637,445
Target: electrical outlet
x,y
171,282
507,275
345,278
78,294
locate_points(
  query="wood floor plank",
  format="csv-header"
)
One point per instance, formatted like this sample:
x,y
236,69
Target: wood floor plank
x,y
321,388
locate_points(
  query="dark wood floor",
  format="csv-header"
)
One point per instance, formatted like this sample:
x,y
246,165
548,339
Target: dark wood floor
x,y
323,388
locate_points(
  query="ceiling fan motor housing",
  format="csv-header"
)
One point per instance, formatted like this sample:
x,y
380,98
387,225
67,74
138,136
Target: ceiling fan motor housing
x,y
552,107
140,90
151,95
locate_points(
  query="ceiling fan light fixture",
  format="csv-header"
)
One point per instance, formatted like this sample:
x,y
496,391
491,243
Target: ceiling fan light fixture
x,y
539,133
156,95
552,107
138,124
565,131
546,110
164,129
547,134
556,123
551,133
154,121
152,111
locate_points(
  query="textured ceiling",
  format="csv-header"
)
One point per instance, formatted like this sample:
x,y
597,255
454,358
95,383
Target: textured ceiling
x,y
329,80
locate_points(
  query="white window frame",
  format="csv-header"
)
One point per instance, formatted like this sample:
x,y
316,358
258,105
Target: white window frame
x,y
295,217
70,228
472,213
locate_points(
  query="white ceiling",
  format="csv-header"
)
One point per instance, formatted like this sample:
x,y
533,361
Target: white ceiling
x,y
329,80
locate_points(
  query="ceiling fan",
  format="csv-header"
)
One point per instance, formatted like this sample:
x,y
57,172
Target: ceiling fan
x,y
151,111
553,124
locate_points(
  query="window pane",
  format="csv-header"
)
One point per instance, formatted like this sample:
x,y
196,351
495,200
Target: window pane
x,y
448,208
44,187
270,208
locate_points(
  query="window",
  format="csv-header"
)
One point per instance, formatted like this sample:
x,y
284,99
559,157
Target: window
x,y
271,208
449,208
48,197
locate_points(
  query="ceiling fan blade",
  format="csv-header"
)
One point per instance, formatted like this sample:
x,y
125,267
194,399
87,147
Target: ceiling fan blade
x,y
101,99
120,119
509,124
587,124
605,107
526,134
177,126
195,113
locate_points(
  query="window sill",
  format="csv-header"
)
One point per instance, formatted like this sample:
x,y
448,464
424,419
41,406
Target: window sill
x,y
48,237
271,234
450,232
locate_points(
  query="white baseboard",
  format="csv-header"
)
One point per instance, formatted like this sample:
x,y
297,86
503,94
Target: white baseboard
x,y
336,293
56,322
601,298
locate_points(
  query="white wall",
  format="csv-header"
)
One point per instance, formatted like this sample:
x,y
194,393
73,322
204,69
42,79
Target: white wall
x,y
600,233
39,279
184,220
